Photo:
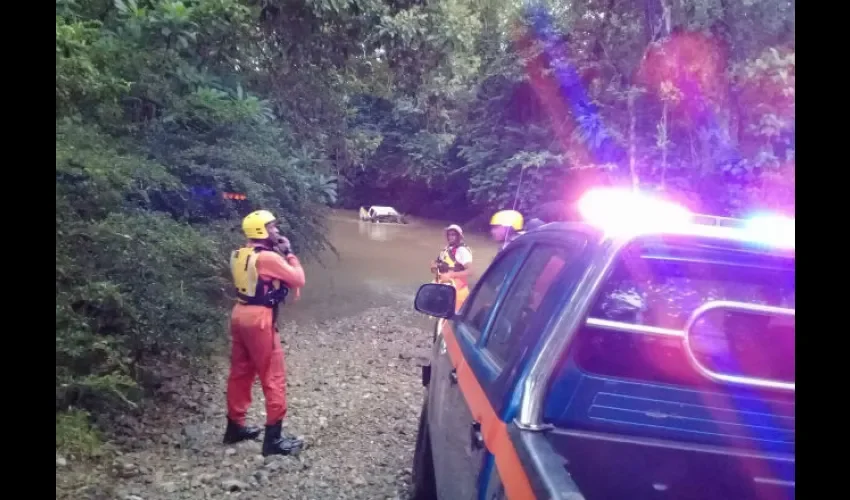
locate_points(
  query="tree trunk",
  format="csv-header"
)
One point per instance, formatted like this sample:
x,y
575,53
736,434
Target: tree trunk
x,y
664,144
632,96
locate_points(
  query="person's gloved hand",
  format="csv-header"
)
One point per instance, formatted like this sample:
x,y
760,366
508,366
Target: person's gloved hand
x,y
283,246
446,277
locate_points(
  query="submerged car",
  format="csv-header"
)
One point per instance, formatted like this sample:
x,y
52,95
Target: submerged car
x,y
377,213
627,360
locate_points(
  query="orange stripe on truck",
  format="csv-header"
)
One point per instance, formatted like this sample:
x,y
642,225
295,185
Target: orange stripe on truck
x,y
495,432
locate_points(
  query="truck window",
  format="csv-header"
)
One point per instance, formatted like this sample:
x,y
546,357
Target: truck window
x,y
476,310
521,306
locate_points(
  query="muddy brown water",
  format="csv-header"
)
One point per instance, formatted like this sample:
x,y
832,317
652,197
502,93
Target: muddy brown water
x,y
378,265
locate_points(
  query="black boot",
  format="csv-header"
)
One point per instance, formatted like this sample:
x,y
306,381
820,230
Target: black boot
x,y
278,443
236,433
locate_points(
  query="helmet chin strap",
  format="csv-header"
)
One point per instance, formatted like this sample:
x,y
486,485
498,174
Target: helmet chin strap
x,y
266,242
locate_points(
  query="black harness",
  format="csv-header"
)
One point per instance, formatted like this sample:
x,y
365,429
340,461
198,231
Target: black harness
x,y
443,266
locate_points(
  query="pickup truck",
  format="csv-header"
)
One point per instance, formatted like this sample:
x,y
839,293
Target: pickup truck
x,y
633,364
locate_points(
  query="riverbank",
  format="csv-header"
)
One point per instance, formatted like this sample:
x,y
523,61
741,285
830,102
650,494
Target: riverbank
x,y
353,349
354,394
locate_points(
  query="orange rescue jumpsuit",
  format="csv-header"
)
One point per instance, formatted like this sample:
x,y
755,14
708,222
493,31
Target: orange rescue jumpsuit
x,y
256,348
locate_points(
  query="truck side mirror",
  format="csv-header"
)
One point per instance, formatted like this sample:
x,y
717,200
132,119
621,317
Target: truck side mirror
x,y
436,299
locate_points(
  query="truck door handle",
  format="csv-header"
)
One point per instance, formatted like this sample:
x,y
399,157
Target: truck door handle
x,y
453,376
477,440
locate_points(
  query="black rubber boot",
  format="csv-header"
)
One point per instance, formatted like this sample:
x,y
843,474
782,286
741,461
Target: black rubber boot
x,y
236,433
276,442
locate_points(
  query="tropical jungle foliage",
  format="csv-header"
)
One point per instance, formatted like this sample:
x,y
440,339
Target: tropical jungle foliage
x,y
448,108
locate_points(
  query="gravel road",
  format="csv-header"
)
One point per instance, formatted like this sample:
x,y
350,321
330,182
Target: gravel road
x,y
354,394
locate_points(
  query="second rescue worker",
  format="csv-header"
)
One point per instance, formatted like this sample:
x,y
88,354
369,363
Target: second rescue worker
x,y
264,271
452,265
506,226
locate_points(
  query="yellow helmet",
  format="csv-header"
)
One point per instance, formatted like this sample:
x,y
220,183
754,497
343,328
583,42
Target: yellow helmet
x,y
510,218
254,224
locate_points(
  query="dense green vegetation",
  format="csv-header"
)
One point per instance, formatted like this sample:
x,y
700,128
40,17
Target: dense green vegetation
x,y
449,108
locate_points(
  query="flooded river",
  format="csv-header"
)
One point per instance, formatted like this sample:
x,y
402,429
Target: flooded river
x,y
378,265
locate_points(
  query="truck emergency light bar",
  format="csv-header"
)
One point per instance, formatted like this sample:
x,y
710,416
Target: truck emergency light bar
x,y
621,211
233,196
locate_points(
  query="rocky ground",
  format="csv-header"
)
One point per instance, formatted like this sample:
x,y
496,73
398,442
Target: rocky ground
x,y
354,394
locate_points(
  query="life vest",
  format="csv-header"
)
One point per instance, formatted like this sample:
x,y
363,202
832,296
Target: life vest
x,y
250,288
446,261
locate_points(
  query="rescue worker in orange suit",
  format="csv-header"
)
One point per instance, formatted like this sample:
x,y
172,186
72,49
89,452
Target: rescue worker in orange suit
x,y
452,265
506,226
264,271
